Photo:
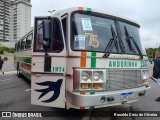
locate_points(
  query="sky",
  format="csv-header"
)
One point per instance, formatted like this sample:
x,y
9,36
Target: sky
x,y
145,12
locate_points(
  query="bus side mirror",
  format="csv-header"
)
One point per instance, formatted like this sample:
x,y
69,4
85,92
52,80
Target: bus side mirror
x,y
46,34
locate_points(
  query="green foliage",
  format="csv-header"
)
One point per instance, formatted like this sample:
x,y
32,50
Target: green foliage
x,y
151,52
10,50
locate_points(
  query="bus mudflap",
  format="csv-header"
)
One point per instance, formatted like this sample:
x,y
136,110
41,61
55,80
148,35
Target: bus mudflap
x,y
48,90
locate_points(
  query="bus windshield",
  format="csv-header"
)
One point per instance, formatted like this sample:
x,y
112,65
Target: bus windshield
x,y
99,34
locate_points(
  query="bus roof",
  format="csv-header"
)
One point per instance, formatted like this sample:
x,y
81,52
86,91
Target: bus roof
x,y
60,13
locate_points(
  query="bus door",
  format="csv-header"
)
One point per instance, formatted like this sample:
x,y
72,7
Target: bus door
x,y
48,64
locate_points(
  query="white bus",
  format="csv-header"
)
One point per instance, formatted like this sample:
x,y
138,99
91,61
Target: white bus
x,y
83,58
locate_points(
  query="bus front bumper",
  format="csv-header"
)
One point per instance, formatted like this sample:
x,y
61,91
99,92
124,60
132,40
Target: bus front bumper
x,y
107,98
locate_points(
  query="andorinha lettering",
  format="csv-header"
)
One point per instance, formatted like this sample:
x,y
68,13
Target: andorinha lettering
x,y
123,64
143,64
133,64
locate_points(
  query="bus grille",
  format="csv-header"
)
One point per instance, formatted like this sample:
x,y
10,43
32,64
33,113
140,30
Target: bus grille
x,y
122,79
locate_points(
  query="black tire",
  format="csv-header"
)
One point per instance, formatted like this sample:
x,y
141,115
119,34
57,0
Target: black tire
x,y
18,72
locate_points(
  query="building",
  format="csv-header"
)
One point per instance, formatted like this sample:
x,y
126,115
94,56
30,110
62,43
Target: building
x,y
15,20
4,20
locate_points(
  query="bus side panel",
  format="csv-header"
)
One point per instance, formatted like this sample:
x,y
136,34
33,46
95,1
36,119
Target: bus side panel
x,y
22,62
48,88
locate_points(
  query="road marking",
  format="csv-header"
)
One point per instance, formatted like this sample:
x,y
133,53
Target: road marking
x,y
9,73
28,90
7,79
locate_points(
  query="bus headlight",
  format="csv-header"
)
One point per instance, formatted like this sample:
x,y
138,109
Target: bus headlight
x,y
96,76
97,86
85,75
89,80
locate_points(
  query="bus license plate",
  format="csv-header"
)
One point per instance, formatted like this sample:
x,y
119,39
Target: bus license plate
x,y
128,95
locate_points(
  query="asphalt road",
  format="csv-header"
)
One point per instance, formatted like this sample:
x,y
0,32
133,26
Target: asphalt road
x,y
15,96
149,103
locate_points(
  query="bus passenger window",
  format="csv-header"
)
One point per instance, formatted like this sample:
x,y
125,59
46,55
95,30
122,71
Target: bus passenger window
x,y
57,41
19,45
29,41
23,42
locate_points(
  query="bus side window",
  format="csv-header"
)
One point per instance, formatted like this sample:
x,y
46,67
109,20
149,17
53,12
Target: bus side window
x,y
56,43
38,37
64,25
19,45
29,41
23,42
15,49
57,40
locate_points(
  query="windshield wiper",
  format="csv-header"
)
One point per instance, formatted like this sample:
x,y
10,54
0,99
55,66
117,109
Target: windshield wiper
x,y
111,43
129,39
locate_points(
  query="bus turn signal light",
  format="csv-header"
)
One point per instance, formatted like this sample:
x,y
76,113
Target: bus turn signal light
x,y
84,86
96,86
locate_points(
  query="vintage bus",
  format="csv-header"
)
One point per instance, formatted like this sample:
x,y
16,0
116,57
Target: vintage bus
x,y
83,58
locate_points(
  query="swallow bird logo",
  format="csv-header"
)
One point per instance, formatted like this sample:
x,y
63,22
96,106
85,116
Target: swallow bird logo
x,y
52,86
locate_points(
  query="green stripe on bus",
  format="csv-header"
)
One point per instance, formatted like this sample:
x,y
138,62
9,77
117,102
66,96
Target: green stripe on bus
x,y
89,10
92,93
93,59
24,59
26,74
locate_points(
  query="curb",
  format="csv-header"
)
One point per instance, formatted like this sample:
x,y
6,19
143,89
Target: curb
x,y
154,79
